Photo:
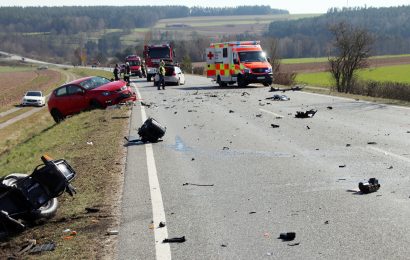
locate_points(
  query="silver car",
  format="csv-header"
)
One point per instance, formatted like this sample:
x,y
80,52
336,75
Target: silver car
x,y
173,76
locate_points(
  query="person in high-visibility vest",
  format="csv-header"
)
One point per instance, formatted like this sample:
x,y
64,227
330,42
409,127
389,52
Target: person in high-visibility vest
x,y
161,74
127,72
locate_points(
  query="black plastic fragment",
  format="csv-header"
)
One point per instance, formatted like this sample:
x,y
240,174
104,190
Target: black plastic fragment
x,y
289,236
371,186
174,240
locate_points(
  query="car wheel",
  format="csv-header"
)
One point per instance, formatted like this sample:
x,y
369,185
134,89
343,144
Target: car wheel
x,y
46,211
57,116
241,81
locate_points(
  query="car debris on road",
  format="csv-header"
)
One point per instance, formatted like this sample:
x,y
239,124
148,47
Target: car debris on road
x,y
307,114
279,97
174,240
371,186
289,236
151,131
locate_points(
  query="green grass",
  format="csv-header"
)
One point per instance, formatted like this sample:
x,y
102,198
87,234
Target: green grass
x,y
325,59
397,73
224,20
82,72
320,79
8,69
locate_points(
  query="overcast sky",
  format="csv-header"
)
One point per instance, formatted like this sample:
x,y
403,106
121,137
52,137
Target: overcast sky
x,y
293,6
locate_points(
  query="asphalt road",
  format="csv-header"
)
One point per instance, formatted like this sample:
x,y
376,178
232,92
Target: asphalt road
x,y
300,177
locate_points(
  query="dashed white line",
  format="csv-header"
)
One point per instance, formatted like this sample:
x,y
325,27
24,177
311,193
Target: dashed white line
x,y
270,112
162,250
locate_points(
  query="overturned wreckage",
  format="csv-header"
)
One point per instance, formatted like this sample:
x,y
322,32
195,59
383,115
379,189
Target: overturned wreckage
x,y
307,114
26,198
151,131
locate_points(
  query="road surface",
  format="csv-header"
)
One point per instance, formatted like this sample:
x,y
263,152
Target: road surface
x,y
262,181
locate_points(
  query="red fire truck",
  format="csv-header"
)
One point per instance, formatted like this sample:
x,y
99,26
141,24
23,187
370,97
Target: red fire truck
x,y
153,54
135,65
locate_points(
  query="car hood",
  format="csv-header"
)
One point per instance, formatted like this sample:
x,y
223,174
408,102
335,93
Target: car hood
x,y
33,97
111,86
257,65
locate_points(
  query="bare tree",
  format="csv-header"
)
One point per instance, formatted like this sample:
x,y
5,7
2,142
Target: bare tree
x,y
352,49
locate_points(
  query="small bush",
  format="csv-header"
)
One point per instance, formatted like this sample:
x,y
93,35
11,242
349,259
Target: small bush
x,y
391,90
198,71
284,78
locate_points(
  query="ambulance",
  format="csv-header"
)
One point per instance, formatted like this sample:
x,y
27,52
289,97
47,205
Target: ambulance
x,y
240,63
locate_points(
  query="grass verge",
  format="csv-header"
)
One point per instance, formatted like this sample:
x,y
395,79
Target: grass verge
x,y
99,169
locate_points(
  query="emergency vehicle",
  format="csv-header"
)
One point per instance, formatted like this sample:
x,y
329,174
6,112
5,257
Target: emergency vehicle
x,y
153,54
135,65
241,62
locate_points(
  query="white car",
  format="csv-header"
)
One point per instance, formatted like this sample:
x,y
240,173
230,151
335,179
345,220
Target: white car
x,y
173,76
33,98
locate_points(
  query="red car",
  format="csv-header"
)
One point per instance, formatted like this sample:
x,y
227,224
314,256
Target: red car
x,y
87,93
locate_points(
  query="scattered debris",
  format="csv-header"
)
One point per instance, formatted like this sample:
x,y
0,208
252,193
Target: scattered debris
x,y
348,145
112,232
279,97
408,132
329,107
294,244
269,253
289,236
223,245
161,224
371,143
371,186
225,148
90,143
175,112
231,111
342,166
192,110
174,240
307,114
327,222
245,93
92,210
295,88
252,212
145,105
42,248
194,184
391,167
29,244
259,115
274,126
308,128
193,159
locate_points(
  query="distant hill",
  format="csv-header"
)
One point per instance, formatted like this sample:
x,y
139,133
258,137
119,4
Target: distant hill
x,y
63,20
310,37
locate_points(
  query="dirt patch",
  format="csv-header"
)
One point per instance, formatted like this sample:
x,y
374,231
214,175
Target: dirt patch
x,y
323,66
13,85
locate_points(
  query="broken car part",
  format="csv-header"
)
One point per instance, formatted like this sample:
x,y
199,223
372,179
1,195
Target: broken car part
x,y
307,114
174,240
289,236
279,97
371,186
33,197
151,131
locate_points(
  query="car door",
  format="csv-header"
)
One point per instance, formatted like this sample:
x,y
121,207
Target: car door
x,y
77,99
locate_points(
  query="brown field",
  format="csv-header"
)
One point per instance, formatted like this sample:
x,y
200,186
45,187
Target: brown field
x,y
323,66
13,85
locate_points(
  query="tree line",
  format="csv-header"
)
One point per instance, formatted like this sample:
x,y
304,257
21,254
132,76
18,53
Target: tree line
x,y
74,19
311,37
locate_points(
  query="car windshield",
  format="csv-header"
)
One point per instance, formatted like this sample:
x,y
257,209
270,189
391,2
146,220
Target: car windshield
x,y
134,63
34,94
94,82
157,53
251,56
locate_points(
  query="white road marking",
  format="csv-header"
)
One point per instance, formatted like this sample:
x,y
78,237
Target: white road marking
x,y
397,156
163,250
270,112
352,99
